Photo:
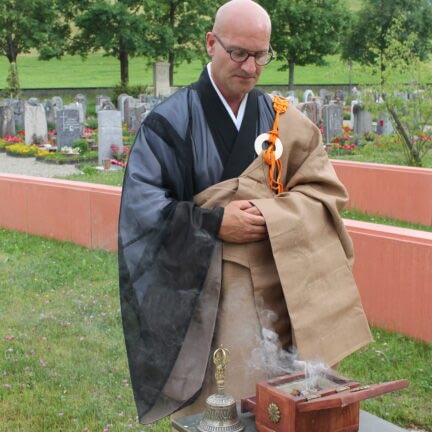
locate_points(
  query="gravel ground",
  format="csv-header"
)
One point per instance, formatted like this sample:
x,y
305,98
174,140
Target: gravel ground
x,y
31,167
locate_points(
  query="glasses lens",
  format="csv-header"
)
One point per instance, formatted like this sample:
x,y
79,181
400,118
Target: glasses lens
x,y
262,59
239,55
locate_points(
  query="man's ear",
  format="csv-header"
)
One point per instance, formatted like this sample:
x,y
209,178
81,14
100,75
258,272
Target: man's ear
x,y
210,43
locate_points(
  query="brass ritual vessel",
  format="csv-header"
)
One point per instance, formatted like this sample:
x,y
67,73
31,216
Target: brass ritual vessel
x,y
220,414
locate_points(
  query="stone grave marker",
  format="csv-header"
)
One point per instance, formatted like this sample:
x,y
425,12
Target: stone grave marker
x,y
384,124
310,109
308,96
129,106
49,112
57,102
362,120
7,123
68,127
99,102
351,120
333,121
82,99
35,124
161,81
78,107
17,107
120,103
138,115
109,133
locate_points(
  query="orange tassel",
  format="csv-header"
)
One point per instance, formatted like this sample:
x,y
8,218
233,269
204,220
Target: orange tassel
x,y
275,166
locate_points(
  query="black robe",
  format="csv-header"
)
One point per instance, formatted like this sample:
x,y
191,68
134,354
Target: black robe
x,y
186,144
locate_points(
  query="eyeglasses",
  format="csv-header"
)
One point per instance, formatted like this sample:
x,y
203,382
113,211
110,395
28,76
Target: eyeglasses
x,y
240,55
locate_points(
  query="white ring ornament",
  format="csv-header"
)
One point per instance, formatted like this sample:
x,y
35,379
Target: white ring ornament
x,y
265,137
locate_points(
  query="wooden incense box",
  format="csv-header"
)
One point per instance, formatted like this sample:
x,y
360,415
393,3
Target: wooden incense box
x,y
292,403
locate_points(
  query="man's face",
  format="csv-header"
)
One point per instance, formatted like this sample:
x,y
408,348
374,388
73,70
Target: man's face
x,y
235,79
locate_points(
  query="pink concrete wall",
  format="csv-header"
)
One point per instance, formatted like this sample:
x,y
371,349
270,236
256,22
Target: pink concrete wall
x,y
81,213
393,270
393,266
399,192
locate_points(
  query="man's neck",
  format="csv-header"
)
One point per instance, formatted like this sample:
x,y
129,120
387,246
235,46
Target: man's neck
x,y
236,105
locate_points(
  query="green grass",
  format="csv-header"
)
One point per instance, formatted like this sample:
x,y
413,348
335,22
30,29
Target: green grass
x,y
383,220
392,357
63,363
100,71
92,175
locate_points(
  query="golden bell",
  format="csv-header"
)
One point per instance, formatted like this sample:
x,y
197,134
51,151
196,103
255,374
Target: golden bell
x,y
220,414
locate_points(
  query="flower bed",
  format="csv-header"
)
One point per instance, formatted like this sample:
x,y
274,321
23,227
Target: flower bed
x,y
22,150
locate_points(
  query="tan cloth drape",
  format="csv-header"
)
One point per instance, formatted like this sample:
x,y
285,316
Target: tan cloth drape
x,y
301,274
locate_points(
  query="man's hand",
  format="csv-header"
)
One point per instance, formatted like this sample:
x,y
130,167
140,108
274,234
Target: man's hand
x,y
242,223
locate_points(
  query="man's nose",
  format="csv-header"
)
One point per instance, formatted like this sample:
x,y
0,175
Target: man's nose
x,y
249,64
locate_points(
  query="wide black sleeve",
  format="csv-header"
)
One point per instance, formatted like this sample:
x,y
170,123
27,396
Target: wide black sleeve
x,y
165,248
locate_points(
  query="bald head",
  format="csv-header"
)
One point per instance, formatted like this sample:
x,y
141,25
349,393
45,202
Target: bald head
x,y
242,13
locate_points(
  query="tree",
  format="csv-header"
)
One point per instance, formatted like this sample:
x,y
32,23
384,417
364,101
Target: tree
x,y
120,28
305,31
408,104
179,29
32,24
373,23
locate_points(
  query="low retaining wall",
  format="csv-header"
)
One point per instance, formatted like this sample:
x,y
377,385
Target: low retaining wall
x,y
398,192
392,266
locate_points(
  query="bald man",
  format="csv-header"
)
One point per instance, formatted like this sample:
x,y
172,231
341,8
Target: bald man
x,y
209,254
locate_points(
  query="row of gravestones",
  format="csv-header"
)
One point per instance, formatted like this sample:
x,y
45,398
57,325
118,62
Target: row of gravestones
x,y
69,120
322,111
328,113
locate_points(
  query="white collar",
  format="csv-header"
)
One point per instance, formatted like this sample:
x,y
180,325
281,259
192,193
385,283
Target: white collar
x,y
237,120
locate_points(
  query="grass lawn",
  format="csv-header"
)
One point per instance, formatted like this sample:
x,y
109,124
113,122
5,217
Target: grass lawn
x,y
63,363
101,71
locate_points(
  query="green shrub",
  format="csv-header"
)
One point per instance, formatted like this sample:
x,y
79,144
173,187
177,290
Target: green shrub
x,y
82,144
134,91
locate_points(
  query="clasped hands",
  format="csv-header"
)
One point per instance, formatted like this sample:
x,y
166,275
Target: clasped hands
x,y
242,222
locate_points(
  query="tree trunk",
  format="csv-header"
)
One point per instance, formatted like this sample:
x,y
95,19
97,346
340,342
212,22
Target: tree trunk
x,y
171,57
414,155
124,64
11,52
291,65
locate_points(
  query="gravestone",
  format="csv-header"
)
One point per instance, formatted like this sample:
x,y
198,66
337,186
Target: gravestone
x,y
35,124
161,81
351,120
308,96
333,121
82,99
325,96
150,101
129,106
120,104
310,109
18,109
57,103
68,127
384,124
138,115
109,133
99,102
49,112
17,106
362,120
293,100
7,123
